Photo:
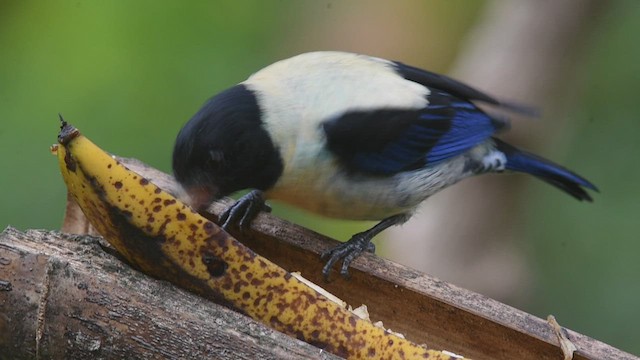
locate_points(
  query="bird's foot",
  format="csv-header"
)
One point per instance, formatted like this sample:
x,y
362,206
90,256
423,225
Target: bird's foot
x,y
348,252
243,211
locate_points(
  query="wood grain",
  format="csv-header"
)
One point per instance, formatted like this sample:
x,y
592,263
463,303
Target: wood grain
x,y
65,298
423,308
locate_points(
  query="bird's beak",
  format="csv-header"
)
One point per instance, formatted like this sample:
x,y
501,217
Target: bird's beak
x,y
199,197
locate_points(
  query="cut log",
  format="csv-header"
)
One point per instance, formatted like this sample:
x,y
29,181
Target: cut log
x,y
63,297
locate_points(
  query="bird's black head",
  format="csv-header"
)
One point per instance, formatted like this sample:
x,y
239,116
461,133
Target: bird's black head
x,y
225,148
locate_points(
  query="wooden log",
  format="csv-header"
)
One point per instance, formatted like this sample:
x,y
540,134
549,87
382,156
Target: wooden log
x,y
423,308
63,297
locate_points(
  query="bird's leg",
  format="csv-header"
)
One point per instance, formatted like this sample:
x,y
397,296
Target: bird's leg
x,y
358,243
243,211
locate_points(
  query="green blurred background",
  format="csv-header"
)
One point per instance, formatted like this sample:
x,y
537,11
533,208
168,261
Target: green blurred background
x,y
129,74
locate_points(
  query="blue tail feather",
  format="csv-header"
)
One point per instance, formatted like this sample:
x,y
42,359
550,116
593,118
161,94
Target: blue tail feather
x,y
545,170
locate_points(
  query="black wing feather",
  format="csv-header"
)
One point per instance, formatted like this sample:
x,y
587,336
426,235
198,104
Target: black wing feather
x,y
456,88
389,141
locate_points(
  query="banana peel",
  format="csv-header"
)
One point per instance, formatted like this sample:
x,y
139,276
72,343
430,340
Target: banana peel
x,y
166,239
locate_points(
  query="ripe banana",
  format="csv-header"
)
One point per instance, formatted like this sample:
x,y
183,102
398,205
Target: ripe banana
x,y
168,240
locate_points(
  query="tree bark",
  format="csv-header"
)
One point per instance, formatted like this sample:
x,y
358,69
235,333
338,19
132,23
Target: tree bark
x,y
63,297
68,297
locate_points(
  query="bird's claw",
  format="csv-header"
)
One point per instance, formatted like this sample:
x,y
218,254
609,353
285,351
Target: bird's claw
x,y
243,211
348,252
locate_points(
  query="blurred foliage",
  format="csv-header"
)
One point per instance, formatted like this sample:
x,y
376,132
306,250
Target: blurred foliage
x,y
129,74
586,257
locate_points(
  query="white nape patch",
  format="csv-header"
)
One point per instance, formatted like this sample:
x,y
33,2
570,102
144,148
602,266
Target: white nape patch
x,y
494,161
308,89
326,84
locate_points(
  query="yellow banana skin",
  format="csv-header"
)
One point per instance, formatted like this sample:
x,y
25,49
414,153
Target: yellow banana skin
x,y
168,240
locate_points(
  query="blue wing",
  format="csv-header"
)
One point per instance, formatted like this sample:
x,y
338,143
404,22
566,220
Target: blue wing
x,y
389,141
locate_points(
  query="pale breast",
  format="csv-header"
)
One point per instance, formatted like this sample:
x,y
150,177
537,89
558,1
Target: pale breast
x,y
325,188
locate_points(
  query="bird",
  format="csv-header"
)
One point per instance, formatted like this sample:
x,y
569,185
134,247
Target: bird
x,y
348,136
